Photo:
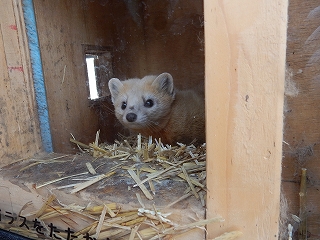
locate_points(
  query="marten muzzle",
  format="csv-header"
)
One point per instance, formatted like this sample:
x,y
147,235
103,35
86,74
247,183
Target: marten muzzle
x,y
131,117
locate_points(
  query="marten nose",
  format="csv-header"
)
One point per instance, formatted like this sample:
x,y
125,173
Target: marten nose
x,y
131,117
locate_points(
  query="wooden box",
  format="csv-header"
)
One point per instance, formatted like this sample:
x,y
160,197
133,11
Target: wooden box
x,y
238,49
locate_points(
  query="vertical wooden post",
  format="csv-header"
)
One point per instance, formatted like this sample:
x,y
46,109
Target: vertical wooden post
x,y
19,129
245,44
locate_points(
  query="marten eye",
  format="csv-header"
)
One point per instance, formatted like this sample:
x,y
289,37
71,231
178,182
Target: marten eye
x,y
123,105
148,103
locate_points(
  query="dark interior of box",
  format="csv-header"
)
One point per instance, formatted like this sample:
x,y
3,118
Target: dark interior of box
x,y
144,37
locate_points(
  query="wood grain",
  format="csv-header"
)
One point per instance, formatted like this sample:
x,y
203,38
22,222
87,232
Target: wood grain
x,y
245,71
19,131
302,111
63,58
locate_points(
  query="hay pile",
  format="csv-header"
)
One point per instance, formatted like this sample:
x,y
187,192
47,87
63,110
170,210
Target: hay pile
x,y
146,162
156,161
106,221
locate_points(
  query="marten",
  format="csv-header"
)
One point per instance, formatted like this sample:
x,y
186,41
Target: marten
x,y
153,107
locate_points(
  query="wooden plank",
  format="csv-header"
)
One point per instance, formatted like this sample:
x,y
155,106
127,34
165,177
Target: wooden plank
x,y
64,68
245,46
17,192
173,41
302,112
19,125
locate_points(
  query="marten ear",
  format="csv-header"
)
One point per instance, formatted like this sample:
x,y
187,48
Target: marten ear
x,y
114,86
164,82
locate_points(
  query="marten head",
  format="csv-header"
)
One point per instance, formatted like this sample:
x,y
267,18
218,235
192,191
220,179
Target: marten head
x,y
143,104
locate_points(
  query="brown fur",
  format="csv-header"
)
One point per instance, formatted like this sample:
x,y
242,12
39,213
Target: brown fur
x,y
175,116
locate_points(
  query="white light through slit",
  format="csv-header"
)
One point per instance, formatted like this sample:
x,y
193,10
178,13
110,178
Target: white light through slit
x,y
92,78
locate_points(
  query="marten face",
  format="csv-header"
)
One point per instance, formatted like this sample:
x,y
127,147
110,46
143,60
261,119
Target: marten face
x,y
143,104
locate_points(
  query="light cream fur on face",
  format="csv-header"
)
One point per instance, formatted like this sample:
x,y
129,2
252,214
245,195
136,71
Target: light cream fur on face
x,y
151,106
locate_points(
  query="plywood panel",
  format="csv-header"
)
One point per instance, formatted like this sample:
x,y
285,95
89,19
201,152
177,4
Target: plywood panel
x,y
152,37
245,68
302,112
175,41
73,24
19,131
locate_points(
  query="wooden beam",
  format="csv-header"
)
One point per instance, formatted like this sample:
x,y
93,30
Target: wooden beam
x,y
19,131
245,43
302,115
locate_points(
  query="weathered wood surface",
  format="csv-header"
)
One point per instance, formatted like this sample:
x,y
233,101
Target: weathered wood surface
x,y
63,26
245,46
302,111
19,181
19,131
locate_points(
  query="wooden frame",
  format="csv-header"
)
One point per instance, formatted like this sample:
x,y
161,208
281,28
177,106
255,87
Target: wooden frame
x,y
19,127
245,71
